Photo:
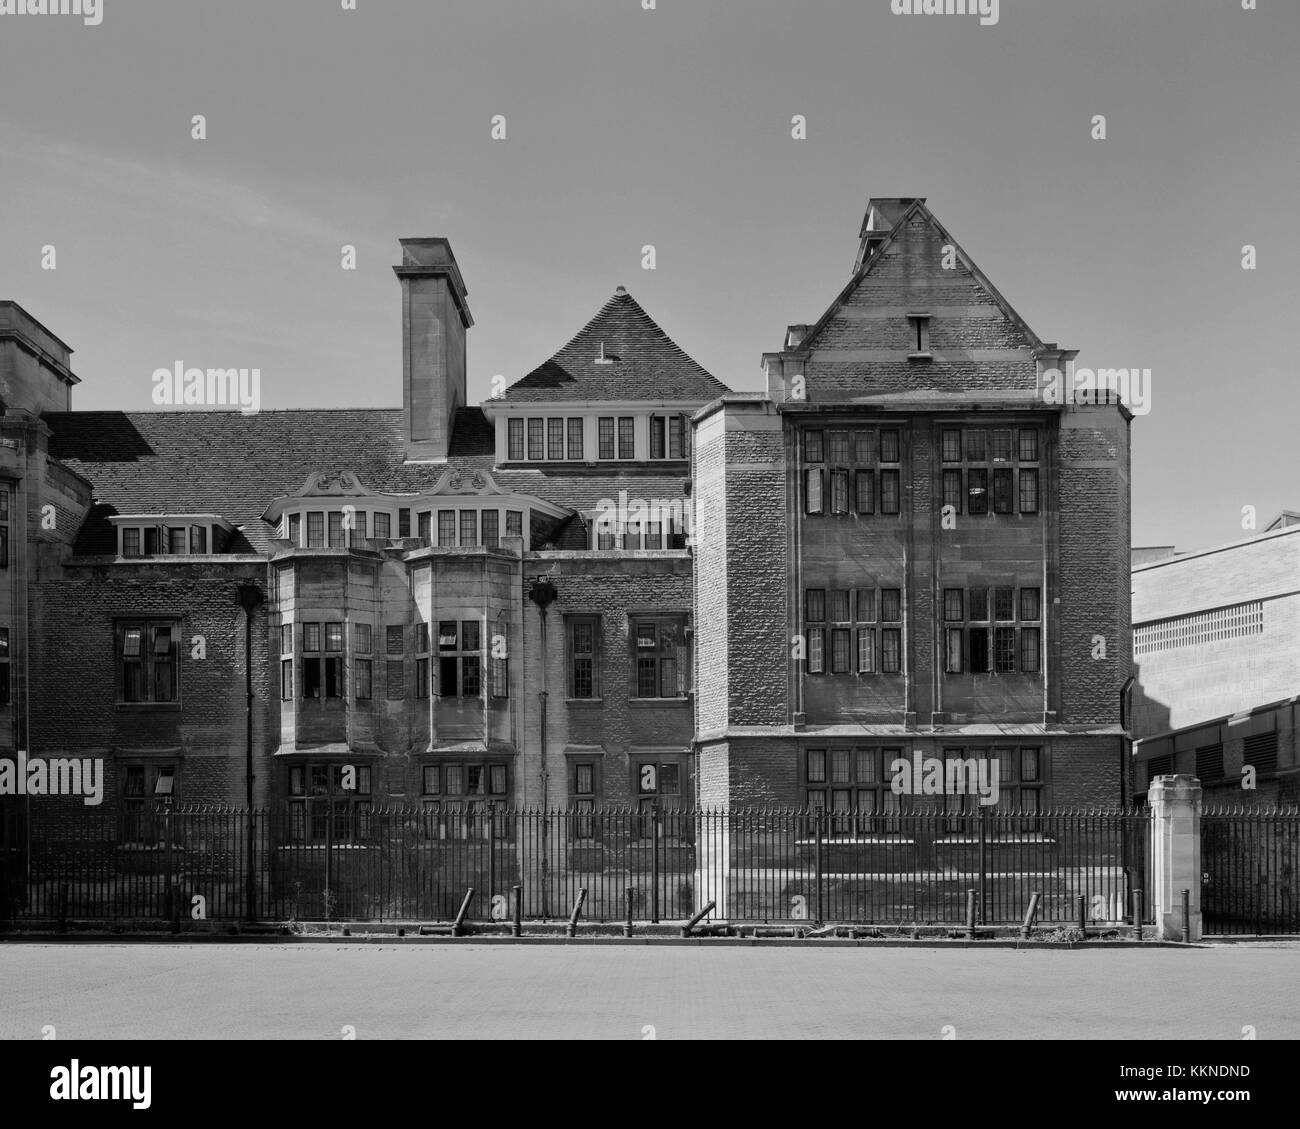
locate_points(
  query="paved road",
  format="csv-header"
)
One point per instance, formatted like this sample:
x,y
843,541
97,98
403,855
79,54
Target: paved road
x,y
266,991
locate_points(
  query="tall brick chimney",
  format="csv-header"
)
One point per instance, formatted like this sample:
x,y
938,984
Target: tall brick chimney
x,y
434,320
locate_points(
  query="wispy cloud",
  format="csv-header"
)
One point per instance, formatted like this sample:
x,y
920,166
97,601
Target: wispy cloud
x,y
154,188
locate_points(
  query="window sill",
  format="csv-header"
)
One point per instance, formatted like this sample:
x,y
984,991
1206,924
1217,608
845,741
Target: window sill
x,y
1010,840
854,674
877,840
920,356
658,703
155,558
1030,675
319,844
581,702
526,464
161,707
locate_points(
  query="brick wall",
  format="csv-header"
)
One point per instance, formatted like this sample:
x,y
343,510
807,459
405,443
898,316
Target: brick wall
x,y
616,730
1093,569
1085,771
75,706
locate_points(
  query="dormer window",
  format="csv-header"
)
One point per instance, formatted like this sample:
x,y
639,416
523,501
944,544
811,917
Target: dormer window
x,y
663,528
175,535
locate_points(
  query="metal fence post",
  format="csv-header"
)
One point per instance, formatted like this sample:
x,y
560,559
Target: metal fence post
x,y
1030,914
329,853
654,863
817,865
492,849
169,910
1260,893
984,886
538,823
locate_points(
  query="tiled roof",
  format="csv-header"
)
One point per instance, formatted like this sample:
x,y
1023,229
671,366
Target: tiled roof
x,y
235,465
647,363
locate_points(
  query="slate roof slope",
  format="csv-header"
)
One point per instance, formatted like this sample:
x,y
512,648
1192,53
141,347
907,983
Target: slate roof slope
x,y
648,364
235,465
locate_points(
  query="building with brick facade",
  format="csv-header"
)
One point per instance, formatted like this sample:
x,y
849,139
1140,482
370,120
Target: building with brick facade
x,y
1216,652
448,605
946,574
616,583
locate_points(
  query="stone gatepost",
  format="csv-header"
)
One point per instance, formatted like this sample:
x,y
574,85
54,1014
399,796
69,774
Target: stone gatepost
x,y
713,862
1176,854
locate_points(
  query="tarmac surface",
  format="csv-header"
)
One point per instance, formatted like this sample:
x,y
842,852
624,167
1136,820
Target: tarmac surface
x,y
472,990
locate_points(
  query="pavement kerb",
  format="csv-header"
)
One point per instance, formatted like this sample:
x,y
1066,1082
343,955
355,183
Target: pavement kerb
x,y
496,940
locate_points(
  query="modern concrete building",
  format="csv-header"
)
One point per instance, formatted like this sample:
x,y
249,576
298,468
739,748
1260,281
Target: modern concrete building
x,y
1216,652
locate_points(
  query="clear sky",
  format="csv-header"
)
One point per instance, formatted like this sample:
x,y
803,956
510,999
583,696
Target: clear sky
x,y
670,127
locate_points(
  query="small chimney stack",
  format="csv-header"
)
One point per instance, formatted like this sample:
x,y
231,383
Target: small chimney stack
x,y
883,213
434,320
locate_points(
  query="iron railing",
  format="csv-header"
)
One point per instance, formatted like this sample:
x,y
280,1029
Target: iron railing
x,y
348,862
1250,864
